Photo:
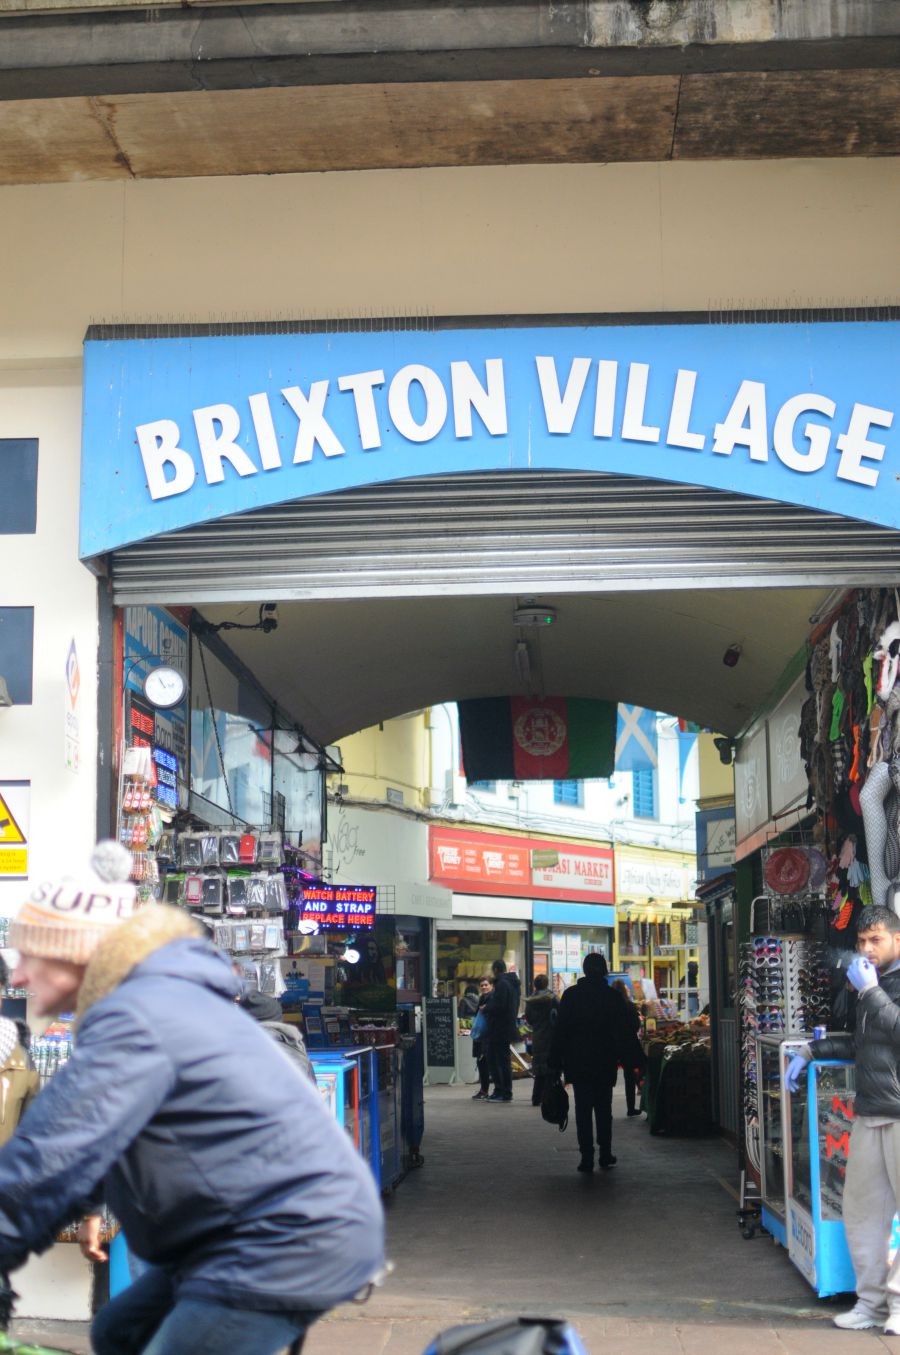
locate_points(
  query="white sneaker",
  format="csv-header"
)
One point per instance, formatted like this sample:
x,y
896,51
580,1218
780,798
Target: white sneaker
x,y
858,1319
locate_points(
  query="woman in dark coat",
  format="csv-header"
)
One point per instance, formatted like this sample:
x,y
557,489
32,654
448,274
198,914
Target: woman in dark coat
x,y
540,1014
479,1048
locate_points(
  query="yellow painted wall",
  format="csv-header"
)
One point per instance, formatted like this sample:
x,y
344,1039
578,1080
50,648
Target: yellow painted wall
x,y
394,754
716,780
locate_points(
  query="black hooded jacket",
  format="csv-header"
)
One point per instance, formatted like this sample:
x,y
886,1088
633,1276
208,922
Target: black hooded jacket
x,y
875,1044
502,1009
593,1033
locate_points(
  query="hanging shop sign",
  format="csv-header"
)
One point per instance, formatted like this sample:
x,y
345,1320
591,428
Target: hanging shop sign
x,y
651,875
179,431
490,863
341,908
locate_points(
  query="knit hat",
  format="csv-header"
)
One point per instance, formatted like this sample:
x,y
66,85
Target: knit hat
x,y
66,918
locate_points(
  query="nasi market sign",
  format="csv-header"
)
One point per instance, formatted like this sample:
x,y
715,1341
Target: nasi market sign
x,y
179,431
536,868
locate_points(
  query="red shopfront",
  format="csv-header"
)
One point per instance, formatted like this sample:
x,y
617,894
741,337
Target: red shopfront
x,y
540,904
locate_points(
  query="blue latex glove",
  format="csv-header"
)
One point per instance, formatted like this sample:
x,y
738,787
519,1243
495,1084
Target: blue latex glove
x,y
796,1072
862,974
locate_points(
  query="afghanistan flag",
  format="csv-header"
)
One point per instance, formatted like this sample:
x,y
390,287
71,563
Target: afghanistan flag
x,y
524,738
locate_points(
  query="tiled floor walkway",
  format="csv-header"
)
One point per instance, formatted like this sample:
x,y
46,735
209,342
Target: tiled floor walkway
x,y
644,1260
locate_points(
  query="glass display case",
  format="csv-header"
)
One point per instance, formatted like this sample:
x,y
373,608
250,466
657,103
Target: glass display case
x,y
805,1142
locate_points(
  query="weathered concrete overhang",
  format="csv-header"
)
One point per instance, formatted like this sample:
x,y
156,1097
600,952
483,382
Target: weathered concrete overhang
x,y
111,91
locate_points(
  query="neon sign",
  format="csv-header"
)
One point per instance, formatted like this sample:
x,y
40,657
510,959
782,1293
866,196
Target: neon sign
x,y
344,908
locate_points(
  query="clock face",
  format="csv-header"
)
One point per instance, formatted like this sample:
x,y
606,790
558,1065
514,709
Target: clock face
x,y
164,687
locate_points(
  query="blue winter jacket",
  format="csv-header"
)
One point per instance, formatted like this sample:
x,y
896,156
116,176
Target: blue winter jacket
x,y
219,1159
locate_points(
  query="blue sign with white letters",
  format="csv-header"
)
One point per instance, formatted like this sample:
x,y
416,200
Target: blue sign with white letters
x,y
180,431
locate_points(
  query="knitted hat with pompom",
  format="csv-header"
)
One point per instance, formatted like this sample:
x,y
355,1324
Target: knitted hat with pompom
x,y
66,918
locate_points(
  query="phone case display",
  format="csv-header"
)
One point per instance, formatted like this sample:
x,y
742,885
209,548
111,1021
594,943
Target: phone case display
x,y
783,992
805,1145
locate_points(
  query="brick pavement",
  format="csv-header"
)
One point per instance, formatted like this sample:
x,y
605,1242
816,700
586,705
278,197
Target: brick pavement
x,y
645,1259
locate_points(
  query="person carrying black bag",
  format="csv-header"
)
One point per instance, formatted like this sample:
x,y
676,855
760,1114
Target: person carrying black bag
x,y
540,1014
592,1037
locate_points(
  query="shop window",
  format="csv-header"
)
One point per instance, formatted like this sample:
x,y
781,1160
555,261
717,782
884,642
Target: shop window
x,y
568,793
18,475
644,793
17,652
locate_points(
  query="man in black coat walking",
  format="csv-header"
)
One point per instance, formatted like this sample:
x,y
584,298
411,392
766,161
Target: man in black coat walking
x,y
501,1011
591,1038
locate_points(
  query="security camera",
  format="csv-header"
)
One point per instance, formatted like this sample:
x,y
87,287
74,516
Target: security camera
x,y
268,617
726,750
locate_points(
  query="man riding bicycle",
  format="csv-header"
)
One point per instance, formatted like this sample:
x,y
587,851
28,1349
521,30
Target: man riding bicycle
x,y
223,1166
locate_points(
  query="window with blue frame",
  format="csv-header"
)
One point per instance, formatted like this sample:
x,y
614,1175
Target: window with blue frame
x,y
645,793
568,793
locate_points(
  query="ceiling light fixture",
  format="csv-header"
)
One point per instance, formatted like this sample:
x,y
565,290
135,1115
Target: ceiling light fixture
x,y
532,615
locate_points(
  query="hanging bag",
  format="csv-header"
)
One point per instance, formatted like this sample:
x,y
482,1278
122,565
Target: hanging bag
x,y
479,1026
516,1336
555,1104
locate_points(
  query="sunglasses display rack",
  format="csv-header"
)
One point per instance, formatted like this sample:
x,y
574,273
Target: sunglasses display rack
x,y
783,992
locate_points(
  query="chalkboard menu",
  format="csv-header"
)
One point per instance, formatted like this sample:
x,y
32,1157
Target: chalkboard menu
x,y
440,1032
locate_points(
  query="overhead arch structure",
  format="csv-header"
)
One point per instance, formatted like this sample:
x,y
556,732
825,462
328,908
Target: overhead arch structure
x,y
673,491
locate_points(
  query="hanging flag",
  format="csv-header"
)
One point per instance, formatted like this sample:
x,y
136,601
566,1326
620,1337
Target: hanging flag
x,y
687,726
686,740
637,744
525,738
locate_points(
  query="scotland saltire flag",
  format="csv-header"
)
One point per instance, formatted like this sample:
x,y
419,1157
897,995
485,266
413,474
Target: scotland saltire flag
x,y
637,744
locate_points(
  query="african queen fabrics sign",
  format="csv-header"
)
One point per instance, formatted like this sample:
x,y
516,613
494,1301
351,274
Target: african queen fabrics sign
x,y
180,431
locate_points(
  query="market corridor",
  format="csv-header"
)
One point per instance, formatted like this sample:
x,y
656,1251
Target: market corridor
x,y
647,1258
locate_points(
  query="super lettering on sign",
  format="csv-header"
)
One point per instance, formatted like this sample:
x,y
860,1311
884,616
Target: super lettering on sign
x,y
184,430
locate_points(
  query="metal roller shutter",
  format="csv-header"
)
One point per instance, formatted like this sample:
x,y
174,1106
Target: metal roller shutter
x,y
514,532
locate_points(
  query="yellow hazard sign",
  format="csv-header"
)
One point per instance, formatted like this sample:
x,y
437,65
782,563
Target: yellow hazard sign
x,y
15,805
10,832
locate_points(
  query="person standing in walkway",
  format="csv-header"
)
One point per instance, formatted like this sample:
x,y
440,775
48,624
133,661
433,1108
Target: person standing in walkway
x,y
501,1010
872,1184
479,1043
540,1013
635,1057
590,1040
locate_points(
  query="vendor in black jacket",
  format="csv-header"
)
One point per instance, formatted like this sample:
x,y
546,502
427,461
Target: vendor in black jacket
x,y
872,1187
592,1037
